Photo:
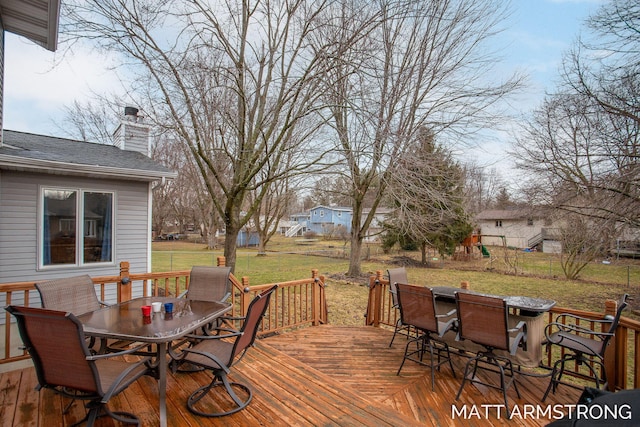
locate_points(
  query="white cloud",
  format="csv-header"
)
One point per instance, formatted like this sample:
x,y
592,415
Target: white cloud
x,y
37,83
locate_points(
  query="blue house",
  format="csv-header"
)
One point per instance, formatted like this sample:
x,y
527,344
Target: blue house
x,y
324,220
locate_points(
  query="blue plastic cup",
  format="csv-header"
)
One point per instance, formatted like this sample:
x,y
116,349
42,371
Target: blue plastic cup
x,y
168,307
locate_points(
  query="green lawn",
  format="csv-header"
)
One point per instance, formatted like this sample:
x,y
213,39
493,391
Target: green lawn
x,y
347,296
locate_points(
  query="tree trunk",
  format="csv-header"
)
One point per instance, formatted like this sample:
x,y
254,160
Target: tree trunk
x,y
230,244
354,256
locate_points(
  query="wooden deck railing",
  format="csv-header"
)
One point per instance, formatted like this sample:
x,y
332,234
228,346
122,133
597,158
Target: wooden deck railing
x,y
295,303
622,359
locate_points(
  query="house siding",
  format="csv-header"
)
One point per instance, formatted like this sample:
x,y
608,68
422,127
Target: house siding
x,y
133,136
19,195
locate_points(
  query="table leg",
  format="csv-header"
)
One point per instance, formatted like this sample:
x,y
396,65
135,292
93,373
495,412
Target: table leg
x,y
162,382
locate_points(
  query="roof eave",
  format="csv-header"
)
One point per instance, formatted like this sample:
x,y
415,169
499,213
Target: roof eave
x,y
32,21
60,168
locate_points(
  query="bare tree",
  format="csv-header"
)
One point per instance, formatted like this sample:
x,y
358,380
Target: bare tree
x,y
233,80
604,67
481,187
583,239
90,121
410,65
582,159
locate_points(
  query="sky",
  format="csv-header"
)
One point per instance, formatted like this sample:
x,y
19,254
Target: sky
x,y
38,84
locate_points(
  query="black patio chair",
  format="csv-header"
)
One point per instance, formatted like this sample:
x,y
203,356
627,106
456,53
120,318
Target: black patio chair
x,y
65,364
418,309
584,346
484,320
219,353
398,275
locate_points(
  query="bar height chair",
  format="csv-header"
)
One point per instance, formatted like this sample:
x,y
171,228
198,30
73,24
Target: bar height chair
x,y
418,309
484,320
583,345
397,275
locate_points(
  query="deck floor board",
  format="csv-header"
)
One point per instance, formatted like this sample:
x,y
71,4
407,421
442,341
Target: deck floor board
x,y
317,376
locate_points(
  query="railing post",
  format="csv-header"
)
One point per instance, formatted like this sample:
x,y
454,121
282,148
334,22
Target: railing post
x,y
611,356
464,285
222,261
374,308
124,285
315,298
246,297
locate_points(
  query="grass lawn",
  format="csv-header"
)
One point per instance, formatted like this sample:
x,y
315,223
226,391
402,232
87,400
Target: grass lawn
x,y
538,274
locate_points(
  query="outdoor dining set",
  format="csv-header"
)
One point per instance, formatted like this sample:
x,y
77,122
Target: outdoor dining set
x,y
495,333
76,341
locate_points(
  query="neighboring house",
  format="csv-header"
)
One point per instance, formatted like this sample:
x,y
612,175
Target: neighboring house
x,y
519,228
328,220
298,224
374,231
69,207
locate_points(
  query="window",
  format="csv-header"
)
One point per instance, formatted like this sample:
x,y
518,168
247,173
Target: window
x,y
529,221
499,223
67,214
321,213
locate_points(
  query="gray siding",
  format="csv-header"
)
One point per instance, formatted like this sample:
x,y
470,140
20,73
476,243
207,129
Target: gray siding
x,y
132,136
19,193
1,79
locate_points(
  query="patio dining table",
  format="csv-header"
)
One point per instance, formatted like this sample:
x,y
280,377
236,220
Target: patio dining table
x,y
528,306
527,309
124,321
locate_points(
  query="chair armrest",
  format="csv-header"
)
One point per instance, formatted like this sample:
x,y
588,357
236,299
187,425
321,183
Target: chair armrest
x,y
183,294
571,328
105,304
450,313
230,333
124,375
208,356
117,353
520,340
562,316
450,325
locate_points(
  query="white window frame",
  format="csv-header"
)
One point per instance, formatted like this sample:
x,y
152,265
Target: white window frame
x,y
80,224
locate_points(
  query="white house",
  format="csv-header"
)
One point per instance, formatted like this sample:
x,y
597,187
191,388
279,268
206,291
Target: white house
x,y
519,228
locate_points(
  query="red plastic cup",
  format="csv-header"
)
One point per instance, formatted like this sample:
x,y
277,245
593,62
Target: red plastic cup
x,y
146,310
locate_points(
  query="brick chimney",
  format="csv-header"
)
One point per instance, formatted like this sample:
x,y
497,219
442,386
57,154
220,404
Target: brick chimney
x,y
133,134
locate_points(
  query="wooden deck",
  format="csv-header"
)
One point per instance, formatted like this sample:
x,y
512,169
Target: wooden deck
x,y
324,376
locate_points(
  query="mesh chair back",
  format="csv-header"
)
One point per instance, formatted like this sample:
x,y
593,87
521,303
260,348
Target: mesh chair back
x,y
417,307
252,321
73,294
622,304
56,344
209,283
483,320
396,275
